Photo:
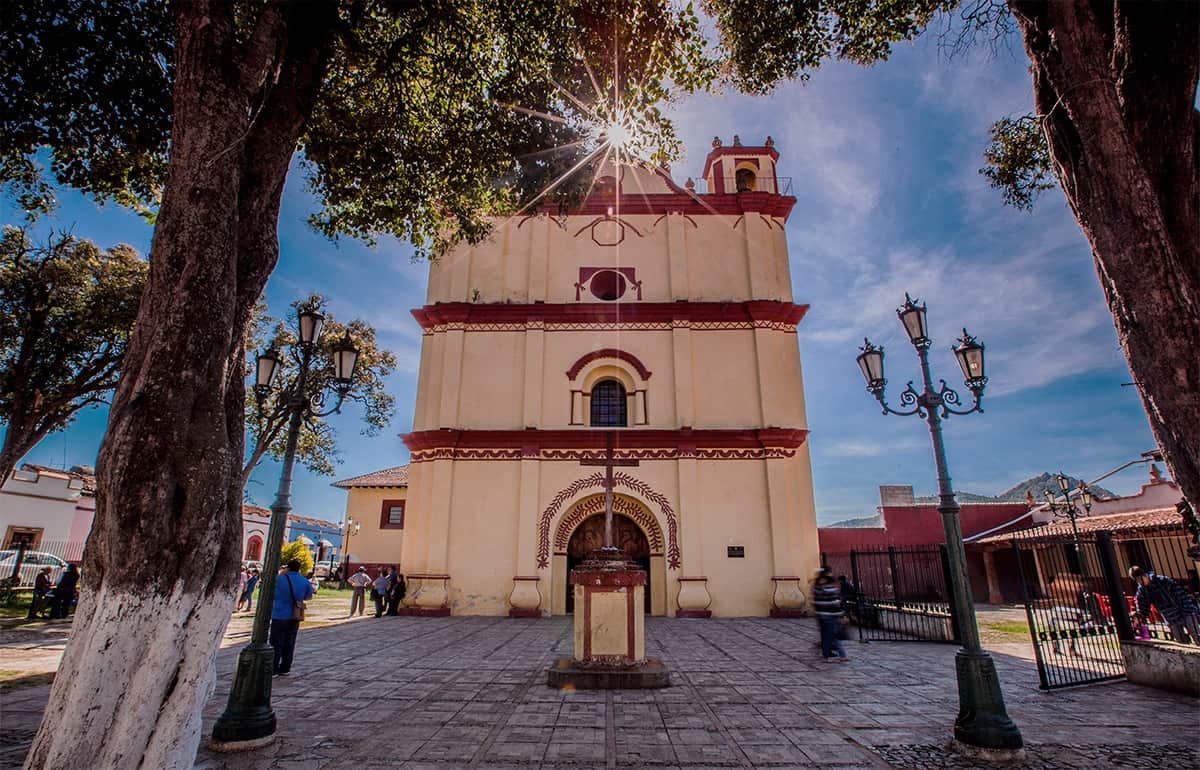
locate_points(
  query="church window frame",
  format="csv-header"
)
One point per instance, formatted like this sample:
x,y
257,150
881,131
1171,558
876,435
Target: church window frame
x,y
608,400
605,367
391,514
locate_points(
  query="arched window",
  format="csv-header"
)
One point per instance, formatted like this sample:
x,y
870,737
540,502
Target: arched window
x,y
254,548
745,180
609,406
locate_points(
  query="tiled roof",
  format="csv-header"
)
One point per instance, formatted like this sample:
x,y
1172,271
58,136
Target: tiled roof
x,y
265,513
87,479
1125,523
389,477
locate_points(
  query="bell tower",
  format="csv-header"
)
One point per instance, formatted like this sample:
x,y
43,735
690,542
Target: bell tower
x,y
742,169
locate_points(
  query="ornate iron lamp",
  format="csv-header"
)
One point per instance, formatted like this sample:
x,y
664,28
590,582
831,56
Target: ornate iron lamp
x,y
248,720
1070,510
983,721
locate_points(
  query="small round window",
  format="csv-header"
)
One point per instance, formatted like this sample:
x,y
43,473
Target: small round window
x,y
608,285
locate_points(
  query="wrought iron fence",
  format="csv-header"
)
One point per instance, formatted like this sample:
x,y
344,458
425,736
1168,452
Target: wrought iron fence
x,y
898,594
1065,586
1166,556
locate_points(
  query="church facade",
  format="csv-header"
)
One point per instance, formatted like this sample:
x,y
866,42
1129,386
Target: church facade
x,y
655,317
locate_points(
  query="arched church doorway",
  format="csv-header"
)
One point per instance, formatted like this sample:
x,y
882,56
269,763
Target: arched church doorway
x,y
589,536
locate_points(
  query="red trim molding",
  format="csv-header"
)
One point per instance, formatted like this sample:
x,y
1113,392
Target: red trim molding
x,y
575,445
471,316
595,355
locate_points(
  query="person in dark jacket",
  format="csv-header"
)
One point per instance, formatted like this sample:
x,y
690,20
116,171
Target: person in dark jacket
x,y
831,613
395,592
41,587
64,592
1172,601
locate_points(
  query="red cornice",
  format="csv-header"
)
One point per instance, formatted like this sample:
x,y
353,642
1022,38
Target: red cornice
x,y
596,355
531,439
768,204
754,311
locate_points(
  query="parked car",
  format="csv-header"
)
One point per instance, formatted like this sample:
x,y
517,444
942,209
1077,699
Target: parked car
x,y
31,565
322,569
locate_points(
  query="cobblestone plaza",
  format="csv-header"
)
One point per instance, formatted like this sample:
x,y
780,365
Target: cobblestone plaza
x,y
471,692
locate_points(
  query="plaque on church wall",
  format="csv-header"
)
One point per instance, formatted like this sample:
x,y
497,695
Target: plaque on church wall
x,y
736,551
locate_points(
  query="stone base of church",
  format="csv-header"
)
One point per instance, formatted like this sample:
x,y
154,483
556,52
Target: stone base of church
x,y
425,612
682,613
777,612
651,674
517,612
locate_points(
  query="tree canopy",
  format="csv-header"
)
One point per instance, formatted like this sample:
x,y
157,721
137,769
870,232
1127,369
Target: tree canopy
x,y
431,116
66,310
266,419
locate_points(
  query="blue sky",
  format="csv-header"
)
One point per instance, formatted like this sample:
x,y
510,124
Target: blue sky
x,y
884,162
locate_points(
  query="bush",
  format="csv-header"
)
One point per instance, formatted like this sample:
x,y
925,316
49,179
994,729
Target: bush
x,y
298,551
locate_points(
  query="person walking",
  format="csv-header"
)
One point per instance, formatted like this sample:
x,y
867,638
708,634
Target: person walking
x,y
359,582
379,591
64,592
246,600
41,587
1172,601
291,591
831,614
243,576
396,593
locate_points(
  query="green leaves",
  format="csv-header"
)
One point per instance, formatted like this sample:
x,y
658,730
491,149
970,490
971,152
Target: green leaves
x,y
1018,161
765,41
66,312
90,82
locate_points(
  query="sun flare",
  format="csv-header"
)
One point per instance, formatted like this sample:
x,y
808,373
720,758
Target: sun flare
x,y
616,134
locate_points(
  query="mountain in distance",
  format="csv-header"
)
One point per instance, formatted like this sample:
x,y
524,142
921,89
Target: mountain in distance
x,y
1037,486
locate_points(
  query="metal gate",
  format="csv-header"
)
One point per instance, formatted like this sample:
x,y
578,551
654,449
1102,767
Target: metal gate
x,y
900,594
1065,585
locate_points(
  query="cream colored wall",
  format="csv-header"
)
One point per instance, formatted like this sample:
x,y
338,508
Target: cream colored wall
x,y
731,376
708,257
490,539
372,544
477,520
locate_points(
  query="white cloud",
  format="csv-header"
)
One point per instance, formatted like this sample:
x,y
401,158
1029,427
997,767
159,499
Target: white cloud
x,y
866,448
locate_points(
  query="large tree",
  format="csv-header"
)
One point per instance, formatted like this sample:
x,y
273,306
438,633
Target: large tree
x,y
415,118
1114,88
266,416
66,311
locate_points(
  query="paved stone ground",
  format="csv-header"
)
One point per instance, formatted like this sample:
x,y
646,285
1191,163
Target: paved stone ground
x,y
470,692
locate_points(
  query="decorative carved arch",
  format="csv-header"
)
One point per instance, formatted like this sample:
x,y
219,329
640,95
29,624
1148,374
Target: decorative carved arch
x,y
595,355
637,486
625,506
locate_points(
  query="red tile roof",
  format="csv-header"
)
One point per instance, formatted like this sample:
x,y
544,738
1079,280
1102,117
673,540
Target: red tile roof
x,y
1123,523
389,477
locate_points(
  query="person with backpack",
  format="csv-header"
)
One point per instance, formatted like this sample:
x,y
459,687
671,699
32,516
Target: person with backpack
x,y
291,592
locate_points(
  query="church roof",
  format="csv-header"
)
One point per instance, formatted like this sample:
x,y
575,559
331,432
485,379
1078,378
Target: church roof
x,y
388,477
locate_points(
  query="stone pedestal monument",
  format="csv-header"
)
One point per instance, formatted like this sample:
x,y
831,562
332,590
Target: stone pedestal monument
x,y
610,621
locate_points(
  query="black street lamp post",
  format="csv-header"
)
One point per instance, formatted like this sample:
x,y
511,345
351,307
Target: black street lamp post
x,y
249,721
983,722
1069,509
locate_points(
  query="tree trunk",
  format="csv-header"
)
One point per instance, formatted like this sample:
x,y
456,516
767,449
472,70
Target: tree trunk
x,y
160,565
1115,84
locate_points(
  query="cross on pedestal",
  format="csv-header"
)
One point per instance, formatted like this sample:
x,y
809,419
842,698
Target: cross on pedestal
x,y
609,462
